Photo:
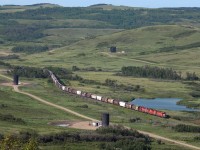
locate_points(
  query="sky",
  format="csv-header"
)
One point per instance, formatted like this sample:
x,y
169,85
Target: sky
x,y
134,3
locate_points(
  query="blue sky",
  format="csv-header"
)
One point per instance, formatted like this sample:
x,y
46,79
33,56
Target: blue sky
x,y
134,3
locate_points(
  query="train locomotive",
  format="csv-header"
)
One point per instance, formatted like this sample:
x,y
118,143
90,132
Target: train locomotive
x,y
106,100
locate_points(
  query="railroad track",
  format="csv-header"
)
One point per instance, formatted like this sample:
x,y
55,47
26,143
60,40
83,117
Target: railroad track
x,y
152,135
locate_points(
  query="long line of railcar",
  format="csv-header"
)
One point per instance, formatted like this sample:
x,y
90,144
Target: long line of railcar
x,y
106,100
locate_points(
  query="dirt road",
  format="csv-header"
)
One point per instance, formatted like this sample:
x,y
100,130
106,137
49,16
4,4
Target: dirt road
x,y
16,89
85,117
169,140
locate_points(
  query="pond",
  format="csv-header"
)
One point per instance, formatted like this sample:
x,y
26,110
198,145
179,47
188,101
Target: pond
x,y
162,103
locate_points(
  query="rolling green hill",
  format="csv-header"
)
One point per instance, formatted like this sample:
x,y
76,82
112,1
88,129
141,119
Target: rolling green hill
x,y
79,40
148,45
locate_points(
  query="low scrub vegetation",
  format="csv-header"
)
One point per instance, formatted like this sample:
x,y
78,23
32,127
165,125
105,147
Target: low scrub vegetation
x,y
13,56
106,138
11,118
186,128
29,49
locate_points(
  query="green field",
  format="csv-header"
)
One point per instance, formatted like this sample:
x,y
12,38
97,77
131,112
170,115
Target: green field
x,y
84,41
47,114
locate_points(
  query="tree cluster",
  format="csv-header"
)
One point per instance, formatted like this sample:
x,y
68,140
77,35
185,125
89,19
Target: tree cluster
x,y
151,72
127,18
28,72
21,32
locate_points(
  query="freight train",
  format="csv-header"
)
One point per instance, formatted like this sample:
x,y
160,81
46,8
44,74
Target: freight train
x,y
105,99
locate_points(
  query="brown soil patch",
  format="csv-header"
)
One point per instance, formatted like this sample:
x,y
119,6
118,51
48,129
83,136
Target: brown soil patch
x,y
85,125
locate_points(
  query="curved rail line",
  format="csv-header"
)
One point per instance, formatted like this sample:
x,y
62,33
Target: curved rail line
x,y
16,89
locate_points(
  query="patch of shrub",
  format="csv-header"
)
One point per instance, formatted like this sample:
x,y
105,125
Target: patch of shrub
x,y
13,56
3,106
11,118
83,106
195,94
134,119
186,128
29,49
197,138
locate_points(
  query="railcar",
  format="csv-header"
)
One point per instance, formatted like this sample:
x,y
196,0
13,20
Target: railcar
x,y
128,105
88,95
161,114
104,99
152,111
122,104
116,102
83,94
78,92
110,100
99,98
93,96
107,100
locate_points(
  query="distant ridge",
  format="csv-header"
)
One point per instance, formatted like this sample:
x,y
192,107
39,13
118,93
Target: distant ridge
x,y
95,5
41,4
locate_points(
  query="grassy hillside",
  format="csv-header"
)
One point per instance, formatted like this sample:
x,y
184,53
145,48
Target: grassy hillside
x,y
143,46
22,108
81,38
